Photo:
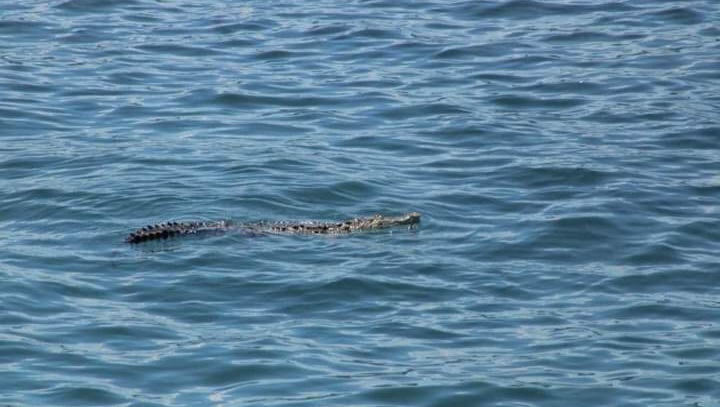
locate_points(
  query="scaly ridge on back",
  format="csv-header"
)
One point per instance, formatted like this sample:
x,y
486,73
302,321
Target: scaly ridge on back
x,y
348,226
172,229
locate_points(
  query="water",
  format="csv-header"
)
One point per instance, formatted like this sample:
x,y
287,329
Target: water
x,y
564,156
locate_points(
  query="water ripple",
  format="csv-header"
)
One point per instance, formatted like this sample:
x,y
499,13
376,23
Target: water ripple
x,y
563,155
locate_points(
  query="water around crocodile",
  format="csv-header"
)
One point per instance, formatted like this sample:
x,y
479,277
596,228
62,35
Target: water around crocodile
x,y
564,156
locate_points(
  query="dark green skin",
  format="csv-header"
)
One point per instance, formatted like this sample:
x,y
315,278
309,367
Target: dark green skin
x,y
173,229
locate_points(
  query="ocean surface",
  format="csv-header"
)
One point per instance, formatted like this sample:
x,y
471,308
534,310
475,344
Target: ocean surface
x,y
565,157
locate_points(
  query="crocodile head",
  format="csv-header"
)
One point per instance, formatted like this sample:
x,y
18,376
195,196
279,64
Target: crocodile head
x,y
379,221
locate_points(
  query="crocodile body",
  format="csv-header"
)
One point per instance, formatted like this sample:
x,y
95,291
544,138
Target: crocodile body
x,y
173,229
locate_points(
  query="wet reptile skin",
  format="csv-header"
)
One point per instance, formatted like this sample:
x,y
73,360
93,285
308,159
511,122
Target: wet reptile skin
x,y
173,229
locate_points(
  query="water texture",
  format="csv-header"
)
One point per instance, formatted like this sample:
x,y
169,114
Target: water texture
x,y
564,156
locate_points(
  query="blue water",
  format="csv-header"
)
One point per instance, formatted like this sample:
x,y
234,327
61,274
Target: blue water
x,y
564,155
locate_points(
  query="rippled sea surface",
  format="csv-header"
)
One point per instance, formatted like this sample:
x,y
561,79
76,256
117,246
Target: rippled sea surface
x,y
565,156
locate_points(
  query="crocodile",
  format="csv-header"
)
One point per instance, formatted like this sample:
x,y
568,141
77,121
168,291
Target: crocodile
x,y
172,229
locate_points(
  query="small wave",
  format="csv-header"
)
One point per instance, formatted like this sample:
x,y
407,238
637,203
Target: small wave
x,y
492,50
593,36
179,50
424,110
678,15
529,9
93,5
526,102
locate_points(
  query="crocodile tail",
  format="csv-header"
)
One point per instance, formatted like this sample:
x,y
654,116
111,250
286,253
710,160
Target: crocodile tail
x,y
171,229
